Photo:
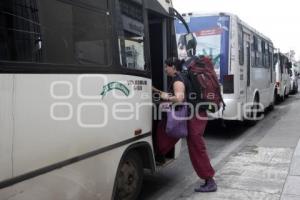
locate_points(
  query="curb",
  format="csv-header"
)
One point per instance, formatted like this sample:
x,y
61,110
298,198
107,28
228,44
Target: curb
x,y
291,187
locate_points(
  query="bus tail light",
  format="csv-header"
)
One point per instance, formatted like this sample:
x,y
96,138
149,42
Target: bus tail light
x,y
228,84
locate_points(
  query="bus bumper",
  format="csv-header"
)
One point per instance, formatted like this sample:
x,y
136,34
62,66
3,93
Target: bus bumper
x,y
233,111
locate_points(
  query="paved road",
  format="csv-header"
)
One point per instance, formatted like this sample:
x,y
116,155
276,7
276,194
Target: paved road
x,y
178,179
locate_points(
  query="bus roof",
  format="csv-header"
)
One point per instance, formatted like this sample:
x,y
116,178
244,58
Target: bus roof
x,y
186,15
159,6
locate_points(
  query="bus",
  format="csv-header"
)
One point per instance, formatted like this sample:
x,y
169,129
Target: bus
x,y
76,108
294,79
283,71
243,60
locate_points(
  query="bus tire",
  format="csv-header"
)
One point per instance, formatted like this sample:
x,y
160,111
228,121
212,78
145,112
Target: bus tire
x,y
271,107
282,98
286,94
129,177
278,97
253,115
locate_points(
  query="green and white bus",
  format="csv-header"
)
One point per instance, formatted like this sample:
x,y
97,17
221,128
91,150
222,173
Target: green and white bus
x,y
76,98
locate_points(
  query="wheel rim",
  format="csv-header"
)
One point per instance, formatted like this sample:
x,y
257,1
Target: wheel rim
x,y
254,110
127,181
274,99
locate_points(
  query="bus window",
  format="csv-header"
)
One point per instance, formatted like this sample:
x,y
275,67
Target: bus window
x,y
266,55
254,52
263,53
131,35
267,64
259,53
275,60
281,63
19,33
212,37
241,45
76,33
271,61
98,4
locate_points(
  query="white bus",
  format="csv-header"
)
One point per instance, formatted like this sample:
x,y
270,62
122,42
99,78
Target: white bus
x,y
283,78
294,79
76,97
243,60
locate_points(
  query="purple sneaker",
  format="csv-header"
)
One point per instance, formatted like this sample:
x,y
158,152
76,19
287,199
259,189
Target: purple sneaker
x,y
209,186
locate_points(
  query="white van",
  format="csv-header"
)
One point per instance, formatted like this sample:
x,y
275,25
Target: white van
x,y
283,80
294,80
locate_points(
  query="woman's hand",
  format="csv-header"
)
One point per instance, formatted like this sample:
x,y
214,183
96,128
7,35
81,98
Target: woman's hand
x,y
164,96
155,89
179,91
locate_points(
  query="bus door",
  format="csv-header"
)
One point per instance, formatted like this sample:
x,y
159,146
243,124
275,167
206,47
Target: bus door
x,y
157,40
271,63
161,42
6,125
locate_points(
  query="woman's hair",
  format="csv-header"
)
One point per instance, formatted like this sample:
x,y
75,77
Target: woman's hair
x,y
175,62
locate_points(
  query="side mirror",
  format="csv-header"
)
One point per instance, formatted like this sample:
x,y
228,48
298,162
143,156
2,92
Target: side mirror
x,y
191,44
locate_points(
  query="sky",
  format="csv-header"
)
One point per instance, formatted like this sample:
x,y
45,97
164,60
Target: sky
x,y
278,20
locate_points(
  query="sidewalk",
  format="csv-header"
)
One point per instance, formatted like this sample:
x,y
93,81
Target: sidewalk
x,y
291,189
257,174
265,170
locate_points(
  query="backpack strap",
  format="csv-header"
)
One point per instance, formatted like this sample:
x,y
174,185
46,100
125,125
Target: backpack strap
x,y
185,85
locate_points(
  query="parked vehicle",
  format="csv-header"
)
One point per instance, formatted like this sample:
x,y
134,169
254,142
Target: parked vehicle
x,y
283,79
294,80
75,96
243,60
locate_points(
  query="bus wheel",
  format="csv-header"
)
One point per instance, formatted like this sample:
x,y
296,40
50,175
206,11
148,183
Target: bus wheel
x,y
286,94
271,107
129,178
254,114
278,97
282,98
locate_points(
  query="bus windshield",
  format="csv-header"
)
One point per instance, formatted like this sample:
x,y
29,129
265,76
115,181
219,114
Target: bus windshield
x,y
212,33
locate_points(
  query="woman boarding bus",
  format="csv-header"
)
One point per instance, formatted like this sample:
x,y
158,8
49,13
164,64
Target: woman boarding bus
x,y
75,96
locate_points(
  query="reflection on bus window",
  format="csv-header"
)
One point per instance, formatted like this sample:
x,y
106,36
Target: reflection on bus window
x,y
20,34
131,35
76,33
89,36
98,4
134,51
